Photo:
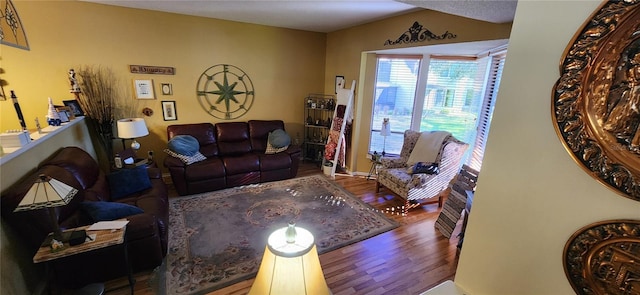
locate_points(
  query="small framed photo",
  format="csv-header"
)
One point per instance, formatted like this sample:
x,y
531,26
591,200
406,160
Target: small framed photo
x,y
339,83
64,113
143,89
167,89
169,110
74,106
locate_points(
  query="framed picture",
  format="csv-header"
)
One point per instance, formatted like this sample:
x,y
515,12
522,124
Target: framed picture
x,y
143,89
169,110
74,106
167,89
64,113
339,83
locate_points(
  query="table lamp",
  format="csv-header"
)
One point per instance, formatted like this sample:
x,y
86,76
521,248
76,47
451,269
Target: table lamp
x,y
47,192
385,131
132,128
290,265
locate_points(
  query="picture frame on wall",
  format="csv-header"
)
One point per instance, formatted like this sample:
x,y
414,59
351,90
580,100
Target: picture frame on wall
x,y
339,83
74,106
143,89
169,112
167,89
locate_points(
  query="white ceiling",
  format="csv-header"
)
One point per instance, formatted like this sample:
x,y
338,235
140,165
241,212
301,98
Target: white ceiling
x,y
321,16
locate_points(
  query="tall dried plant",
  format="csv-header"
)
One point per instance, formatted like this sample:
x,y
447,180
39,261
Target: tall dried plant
x,y
98,99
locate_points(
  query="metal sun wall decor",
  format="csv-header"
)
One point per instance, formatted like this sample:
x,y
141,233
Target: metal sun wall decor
x,y
596,99
416,34
604,258
225,92
11,29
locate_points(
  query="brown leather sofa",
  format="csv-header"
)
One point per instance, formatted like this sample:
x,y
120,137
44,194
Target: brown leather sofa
x,y
235,154
146,233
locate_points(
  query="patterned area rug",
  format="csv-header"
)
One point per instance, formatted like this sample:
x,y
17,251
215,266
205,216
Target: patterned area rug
x,y
217,239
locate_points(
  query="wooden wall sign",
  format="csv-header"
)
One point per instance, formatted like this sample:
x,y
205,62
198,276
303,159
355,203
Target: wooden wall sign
x,y
139,69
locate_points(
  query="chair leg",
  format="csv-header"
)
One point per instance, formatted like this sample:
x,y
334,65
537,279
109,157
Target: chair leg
x,y
440,201
377,186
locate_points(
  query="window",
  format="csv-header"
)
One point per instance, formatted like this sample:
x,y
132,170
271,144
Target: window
x,y
455,94
396,80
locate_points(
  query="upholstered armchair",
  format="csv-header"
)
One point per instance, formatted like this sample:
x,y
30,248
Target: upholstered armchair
x,y
396,175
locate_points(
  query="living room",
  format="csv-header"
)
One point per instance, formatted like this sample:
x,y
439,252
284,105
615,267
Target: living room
x,y
525,165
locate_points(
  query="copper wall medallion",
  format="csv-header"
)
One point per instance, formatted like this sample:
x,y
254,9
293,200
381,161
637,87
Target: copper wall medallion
x,y
604,258
596,100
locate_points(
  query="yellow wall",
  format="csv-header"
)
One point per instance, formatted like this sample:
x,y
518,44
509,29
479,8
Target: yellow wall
x,y
284,65
531,196
344,49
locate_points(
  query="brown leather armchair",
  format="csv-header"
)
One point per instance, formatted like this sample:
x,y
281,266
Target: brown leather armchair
x,y
146,234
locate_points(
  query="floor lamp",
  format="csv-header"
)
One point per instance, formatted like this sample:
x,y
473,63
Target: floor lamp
x,y
385,131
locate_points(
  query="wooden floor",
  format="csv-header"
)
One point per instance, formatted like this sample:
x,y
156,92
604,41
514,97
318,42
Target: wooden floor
x,y
407,260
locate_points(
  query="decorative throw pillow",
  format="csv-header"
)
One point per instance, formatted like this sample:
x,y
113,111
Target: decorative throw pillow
x,y
106,211
125,182
197,157
428,147
274,150
184,144
279,138
424,168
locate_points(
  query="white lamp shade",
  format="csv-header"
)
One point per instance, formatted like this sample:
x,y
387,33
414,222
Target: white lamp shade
x,y
385,130
46,192
132,128
299,273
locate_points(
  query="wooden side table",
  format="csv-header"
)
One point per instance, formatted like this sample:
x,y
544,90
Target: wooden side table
x,y
103,239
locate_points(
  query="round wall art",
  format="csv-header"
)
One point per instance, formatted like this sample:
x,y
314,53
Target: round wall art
x,y
225,92
596,100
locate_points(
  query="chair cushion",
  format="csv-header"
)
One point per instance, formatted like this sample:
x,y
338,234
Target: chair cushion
x,y
184,144
428,147
125,182
105,211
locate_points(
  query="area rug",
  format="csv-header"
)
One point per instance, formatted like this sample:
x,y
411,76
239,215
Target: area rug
x,y
218,238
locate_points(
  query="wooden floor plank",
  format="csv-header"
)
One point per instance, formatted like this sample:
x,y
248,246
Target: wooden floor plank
x,y
407,260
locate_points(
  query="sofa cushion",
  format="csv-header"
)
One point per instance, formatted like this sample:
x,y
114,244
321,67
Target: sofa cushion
x,y
197,157
128,181
105,211
279,138
233,138
274,150
184,144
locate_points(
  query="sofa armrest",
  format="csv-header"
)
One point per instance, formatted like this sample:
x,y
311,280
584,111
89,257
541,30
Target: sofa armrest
x,y
293,149
170,161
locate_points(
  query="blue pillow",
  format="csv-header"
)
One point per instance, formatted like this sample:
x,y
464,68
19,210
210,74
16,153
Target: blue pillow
x,y
184,144
106,211
279,138
125,182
